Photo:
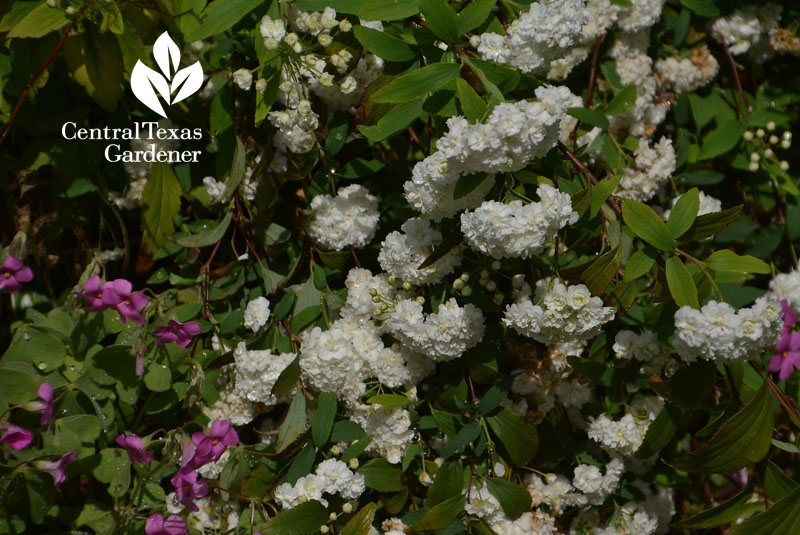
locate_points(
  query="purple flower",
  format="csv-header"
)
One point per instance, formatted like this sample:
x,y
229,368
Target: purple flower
x,y
12,273
56,468
118,293
133,445
789,315
175,331
93,292
173,525
188,487
17,437
209,448
45,406
788,356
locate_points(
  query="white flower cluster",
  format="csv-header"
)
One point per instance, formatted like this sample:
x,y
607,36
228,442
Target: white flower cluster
x,y
721,333
390,428
600,16
539,36
348,219
515,230
256,314
296,127
654,166
597,487
561,313
257,371
631,519
749,32
331,477
687,74
513,135
635,67
403,252
443,335
646,349
554,491
232,406
243,78
624,436
786,286
528,523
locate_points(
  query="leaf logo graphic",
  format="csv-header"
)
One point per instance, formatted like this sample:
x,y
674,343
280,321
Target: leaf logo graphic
x,y
146,81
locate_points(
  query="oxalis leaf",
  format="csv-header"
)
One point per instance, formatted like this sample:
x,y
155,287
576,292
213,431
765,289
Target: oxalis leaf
x,y
741,441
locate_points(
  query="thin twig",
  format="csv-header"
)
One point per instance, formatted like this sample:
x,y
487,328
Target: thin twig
x,y
41,69
593,71
735,68
588,174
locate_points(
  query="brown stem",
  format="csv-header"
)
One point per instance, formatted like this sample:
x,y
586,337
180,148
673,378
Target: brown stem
x,y
355,257
593,71
588,174
416,140
735,68
41,69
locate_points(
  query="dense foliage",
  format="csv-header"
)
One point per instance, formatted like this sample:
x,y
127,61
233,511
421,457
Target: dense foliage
x,y
399,266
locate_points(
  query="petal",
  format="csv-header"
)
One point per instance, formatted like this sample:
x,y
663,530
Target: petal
x,y
139,300
11,263
787,367
122,287
24,275
192,328
46,392
92,285
775,363
154,524
219,428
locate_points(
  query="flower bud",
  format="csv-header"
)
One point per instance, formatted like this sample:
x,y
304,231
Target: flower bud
x,y
458,284
495,265
420,300
491,286
467,291
748,135
771,126
353,464
324,529
406,286
784,165
760,133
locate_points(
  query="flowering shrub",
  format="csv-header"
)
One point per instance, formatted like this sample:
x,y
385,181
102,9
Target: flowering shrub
x,y
399,267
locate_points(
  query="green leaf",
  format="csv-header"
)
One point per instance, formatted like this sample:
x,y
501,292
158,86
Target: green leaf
x,y
287,379
440,18
322,421
303,519
467,183
704,8
681,284
638,264
208,237
646,224
724,514
727,260
95,61
691,387
517,436
85,426
346,431
302,464
37,345
741,441
599,274
701,176
417,83
382,476
602,191
338,127
660,431
388,9
114,468
513,498
396,120
356,448
474,14
304,318
782,517
238,167
721,139
389,400
623,101
294,424
493,398
442,514
502,78
161,198
217,17
359,168
464,437
284,306
38,22
589,116
684,213
471,104
449,482
777,483
384,45
41,494
709,224
361,522
158,377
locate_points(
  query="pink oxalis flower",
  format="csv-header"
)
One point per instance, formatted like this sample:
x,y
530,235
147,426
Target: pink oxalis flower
x,y
187,487
787,358
56,468
789,315
15,436
175,331
135,448
119,294
209,448
93,292
12,273
45,406
173,525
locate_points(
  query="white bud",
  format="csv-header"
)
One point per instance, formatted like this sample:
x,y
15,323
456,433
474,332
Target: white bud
x,y
760,133
286,87
754,156
491,286
425,479
464,276
784,165
406,286
392,279
787,135
517,281
291,38
475,41
771,126
324,529
773,139
484,274
353,464
785,144
332,516
325,39
335,450
495,265
753,166
261,85
748,135
345,25
51,3
347,508
297,48
458,284
467,291
498,298
70,11
768,153
420,300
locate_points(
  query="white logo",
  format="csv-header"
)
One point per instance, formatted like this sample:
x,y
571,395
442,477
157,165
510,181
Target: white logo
x,y
143,78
